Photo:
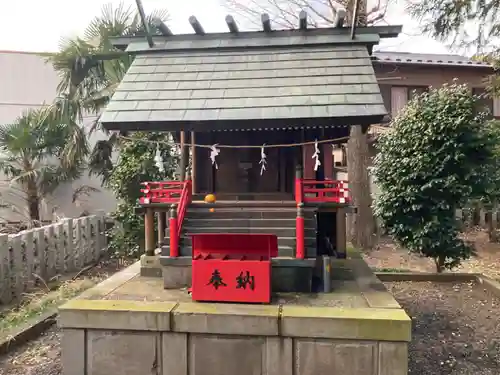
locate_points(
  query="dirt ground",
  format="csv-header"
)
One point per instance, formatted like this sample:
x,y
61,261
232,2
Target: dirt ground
x,y
487,261
455,328
38,357
43,355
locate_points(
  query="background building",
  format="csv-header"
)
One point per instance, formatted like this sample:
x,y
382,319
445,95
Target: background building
x,y
27,81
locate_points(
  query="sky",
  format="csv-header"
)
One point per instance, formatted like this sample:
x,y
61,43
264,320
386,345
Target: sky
x,y
38,25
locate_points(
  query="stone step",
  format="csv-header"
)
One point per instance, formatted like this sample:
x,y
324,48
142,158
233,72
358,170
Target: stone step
x,y
282,241
246,203
245,222
284,251
245,214
278,231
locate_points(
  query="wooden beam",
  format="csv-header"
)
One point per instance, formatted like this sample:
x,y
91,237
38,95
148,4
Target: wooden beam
x,y
231,24
341,233
195,24
142,15
303,20
354,21
162,224
182,162
149,235
162,27
193,162
266,22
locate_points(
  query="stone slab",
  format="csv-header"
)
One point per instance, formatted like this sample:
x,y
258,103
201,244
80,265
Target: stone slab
x,y
221,318
342,323
393,358
247,355
116,315
73,345
174,353
316,357
110,284
124,353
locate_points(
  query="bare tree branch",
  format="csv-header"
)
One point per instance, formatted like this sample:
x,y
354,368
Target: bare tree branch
x,y
285,13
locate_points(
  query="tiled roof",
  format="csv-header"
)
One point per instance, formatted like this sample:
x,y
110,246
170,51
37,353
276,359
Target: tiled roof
x,y
426,59
262,78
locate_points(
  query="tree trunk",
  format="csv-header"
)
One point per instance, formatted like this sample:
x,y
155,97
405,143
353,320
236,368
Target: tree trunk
x,y
33,202
439,261
361,228
34,209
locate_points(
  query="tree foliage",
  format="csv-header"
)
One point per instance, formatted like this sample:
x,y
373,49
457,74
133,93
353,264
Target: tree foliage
x,y
32,150
467,23
135,165
90,69
437,158
470,25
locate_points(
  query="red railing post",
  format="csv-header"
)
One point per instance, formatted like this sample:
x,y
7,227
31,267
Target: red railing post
x,y
299,196
173,232
299,232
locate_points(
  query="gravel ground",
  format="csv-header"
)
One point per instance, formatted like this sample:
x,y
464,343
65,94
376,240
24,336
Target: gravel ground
x,y
39,357
43,355
456,328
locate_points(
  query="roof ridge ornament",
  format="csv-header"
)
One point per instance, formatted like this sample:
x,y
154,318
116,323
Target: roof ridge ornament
x,y
162,27
339,14
196,25
231,24
266,22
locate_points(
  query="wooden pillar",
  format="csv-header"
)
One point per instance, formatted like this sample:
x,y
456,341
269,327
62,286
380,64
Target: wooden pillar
x,y
193,162
182,163
162,217
341,232
149,232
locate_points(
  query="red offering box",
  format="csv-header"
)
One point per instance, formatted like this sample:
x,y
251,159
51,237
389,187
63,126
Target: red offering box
x,y
233,267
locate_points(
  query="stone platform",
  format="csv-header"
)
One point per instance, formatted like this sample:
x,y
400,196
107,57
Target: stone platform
x,y
131,325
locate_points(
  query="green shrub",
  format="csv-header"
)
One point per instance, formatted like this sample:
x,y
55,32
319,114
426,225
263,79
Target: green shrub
x,y
136,164
437,157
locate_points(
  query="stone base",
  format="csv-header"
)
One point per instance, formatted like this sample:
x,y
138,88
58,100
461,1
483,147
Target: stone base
x,y
150,266
130,325
287,274
176,272
290,275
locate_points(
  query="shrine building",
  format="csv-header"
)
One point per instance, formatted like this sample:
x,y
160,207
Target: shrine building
x,y
233,99
237,247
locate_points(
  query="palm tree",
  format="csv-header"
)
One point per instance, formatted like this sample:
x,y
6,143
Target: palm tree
x,y
90,69
31,157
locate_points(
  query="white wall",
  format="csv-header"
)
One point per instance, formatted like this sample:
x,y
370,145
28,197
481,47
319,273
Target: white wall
x,y
27,81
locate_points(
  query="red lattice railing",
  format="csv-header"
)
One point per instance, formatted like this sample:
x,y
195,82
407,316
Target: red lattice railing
x,y
170,192
313,191
162,192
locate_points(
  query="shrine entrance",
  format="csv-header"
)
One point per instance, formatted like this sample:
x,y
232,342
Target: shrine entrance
x,y
239,174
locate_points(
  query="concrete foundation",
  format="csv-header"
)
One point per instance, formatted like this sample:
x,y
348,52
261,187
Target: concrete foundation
x,y
131,325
